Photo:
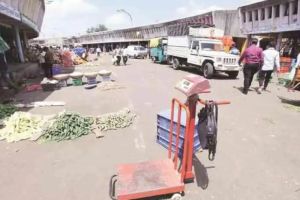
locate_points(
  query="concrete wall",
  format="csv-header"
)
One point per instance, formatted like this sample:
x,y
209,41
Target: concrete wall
x,y
228,21
285,22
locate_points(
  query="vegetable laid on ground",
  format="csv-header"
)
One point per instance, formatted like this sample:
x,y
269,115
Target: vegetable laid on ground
x,y
113,121
68,126
21,126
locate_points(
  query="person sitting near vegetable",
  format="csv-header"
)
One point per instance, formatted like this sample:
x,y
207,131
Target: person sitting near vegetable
x,y
4,76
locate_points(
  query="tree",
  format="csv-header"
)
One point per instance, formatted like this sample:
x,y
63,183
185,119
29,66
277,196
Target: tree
x,y
98,28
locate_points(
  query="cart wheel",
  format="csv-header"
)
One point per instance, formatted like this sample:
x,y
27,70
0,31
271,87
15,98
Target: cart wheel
x,y
176,197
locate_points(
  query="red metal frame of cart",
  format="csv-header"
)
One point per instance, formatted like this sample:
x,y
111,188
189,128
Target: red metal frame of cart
x,y
154,178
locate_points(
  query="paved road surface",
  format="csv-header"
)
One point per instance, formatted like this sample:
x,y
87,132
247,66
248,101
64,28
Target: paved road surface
x,y
258,148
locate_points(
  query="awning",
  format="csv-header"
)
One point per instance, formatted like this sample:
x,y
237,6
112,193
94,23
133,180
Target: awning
x,y
3,45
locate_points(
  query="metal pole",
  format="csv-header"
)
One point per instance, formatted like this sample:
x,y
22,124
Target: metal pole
x,y
192,104
127,13
19,45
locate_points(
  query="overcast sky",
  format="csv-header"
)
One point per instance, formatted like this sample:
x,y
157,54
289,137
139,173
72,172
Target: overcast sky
x,y
73,17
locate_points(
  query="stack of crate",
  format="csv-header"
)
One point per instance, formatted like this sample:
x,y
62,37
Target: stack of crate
x,y
163,131
285,64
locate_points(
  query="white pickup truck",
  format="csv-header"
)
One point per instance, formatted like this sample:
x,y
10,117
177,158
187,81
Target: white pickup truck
x,y
204,53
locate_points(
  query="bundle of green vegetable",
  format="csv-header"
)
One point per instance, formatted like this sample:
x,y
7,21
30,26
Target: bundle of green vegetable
x,y
113,121
68,126
6,110
21,126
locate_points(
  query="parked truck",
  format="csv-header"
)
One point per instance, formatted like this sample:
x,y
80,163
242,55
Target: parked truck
x,y
158,49
198,49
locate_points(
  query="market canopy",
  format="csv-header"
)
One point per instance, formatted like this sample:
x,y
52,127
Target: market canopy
x,y
3,45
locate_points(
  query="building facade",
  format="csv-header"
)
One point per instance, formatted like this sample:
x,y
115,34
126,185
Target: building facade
x,y
272,16
278,20
223,19
20,20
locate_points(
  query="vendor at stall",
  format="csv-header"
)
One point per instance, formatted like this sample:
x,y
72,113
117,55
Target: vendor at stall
x,y
49,61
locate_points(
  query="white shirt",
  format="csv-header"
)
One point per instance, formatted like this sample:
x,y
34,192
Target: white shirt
x,y
98,50
124,52
298,61
271,59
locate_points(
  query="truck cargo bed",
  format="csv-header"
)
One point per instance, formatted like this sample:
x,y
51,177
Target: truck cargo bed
x,y
178,46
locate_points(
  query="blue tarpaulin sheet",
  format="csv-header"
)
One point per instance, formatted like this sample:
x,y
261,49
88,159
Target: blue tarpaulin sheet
x,y
79,51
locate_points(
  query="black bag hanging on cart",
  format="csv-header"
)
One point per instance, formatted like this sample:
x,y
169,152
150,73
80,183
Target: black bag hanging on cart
x,y
208,128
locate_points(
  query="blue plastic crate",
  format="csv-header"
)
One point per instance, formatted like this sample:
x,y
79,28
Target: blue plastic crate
x,y
163,130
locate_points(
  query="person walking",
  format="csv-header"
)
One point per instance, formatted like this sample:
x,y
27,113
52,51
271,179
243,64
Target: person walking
x,y
98,50
271,60
118,53
253,59
297,65
124,55
49,61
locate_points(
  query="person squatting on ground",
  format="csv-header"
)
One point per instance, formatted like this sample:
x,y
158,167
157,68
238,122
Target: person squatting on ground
x,y
271,60
4,76
253,59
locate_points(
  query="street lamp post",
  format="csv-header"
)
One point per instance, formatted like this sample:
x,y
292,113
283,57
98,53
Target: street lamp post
x,y
127,13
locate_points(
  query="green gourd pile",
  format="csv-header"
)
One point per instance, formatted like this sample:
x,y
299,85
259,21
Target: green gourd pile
x,y
68,126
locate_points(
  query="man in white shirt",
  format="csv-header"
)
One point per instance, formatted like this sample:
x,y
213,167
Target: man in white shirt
x,y
271,59
98,51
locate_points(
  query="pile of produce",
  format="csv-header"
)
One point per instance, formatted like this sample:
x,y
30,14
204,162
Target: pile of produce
x,y
113,121
68,126
21,126
6,110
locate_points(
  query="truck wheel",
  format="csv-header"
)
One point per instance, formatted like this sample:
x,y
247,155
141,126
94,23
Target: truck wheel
x,y
176,197
153,59
233,75
176,64
208,70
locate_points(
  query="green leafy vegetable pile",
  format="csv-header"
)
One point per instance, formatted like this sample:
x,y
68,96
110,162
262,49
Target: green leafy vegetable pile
x,y
68,126
6,110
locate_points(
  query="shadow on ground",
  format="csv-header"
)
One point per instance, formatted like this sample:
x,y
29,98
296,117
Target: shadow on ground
x,y
201,175
217,76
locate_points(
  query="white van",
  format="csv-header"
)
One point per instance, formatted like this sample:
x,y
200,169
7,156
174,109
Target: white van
x,y
136,51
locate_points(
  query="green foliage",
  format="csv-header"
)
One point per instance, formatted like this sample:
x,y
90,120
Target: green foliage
x,y
98,28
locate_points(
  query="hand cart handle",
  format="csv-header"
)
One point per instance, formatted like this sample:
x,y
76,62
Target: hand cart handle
x,y
205,91
112,187
223,102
